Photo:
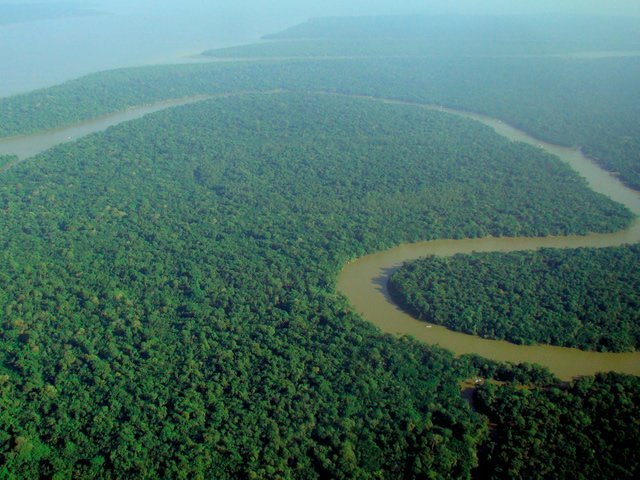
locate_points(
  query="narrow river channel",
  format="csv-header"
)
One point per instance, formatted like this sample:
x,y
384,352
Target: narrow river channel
x,y
26,146
364,281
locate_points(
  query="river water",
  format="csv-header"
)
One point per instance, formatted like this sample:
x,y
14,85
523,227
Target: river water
x,y
364,281
25,146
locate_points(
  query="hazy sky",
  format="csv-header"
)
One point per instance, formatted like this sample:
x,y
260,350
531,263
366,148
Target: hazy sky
x,y
371,7
301,9
368,7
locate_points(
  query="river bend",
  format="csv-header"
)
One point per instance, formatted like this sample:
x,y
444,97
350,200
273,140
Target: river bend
x,y
364,281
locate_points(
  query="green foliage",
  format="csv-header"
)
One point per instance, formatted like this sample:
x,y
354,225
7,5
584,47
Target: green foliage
x,y
586,298
600,114
167,302
167,290
522,374
589,429
6,160
472,63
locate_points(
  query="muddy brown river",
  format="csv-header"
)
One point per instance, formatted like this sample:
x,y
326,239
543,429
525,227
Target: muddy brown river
x,y
364,281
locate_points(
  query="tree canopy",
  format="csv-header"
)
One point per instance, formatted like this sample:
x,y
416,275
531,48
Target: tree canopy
x,y
587,298
167,290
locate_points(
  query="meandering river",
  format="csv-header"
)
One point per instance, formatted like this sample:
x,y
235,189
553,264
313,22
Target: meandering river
x,y
27,146
364,281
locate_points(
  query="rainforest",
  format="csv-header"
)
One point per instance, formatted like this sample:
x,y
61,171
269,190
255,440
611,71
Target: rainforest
x,y
169,301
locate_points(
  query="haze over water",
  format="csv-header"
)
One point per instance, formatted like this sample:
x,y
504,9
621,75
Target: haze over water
x,y
42,53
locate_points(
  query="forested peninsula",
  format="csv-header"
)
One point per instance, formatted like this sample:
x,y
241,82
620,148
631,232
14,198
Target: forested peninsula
x,y
598,116
585,298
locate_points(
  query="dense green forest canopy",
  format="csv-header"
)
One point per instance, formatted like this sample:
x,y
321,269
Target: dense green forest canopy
x,y
587,298
6,160
167,290
587,430
592,103
465,62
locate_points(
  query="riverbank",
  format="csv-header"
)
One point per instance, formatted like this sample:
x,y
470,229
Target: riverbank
x,y
364,281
